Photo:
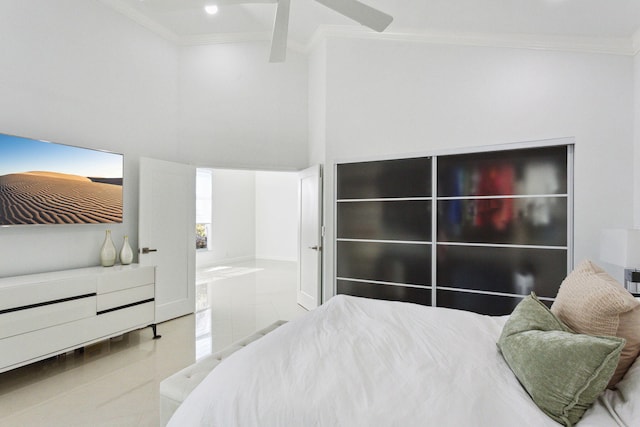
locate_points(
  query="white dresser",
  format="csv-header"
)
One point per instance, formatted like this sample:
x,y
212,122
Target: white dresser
x,y
42,315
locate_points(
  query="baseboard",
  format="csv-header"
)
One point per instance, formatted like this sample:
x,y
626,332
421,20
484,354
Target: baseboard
x,y
271,258
217,263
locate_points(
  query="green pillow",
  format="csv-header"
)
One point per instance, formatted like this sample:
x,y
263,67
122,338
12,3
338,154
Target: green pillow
x,y
562,371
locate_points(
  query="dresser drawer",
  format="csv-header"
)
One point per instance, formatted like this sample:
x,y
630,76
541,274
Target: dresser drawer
x,y
45,316
124,278
118,299
24,295
39,344
124,320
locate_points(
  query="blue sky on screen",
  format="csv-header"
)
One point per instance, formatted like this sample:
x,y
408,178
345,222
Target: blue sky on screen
x,y
25,155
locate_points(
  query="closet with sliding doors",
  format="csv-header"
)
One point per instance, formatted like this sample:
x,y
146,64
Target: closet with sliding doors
x,y
476,230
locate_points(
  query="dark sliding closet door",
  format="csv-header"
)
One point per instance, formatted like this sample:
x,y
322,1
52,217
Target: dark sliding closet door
x,y
384,229
501,228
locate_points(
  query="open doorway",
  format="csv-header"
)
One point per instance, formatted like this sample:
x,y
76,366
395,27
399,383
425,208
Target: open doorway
x,y
247,256
243,215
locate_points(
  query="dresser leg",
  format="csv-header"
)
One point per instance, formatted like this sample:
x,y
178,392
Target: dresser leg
x,y
155,332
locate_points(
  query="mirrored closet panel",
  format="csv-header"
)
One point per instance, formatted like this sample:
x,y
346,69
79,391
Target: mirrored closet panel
x,y
501,228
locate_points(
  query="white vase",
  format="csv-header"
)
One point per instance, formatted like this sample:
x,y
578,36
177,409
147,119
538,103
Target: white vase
x,y
108,251
126,253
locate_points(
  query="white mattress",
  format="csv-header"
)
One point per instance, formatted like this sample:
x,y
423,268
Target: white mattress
x,y
362,362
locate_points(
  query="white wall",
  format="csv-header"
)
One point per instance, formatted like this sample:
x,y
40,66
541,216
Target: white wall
x,y
317,104
77,72
277,215
254,215
238,110
233,235
388,98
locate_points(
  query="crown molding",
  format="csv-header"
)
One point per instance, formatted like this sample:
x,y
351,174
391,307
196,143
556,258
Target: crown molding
x,y
207,39
606,45
219,38
197,39
140,18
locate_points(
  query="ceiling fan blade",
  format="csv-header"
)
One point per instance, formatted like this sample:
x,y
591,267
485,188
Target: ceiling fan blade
x,y
360,12
280,31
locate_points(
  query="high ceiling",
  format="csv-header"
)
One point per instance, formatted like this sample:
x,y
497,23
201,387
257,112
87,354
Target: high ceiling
x,y
185,20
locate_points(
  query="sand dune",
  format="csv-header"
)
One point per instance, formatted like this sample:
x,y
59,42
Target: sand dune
x,y
54,198
56,175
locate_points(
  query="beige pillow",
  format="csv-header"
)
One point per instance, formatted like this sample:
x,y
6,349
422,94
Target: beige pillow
x,y
592,302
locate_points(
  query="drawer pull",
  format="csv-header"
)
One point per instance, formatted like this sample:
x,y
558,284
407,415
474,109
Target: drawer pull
x,y
122,307
42,304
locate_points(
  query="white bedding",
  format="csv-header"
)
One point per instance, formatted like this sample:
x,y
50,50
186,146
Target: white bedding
x,y
363,362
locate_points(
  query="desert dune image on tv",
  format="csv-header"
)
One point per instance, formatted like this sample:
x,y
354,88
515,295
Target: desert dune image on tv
x,y
48,183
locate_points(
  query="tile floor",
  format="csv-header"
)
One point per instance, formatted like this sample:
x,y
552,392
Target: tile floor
x,y
115,382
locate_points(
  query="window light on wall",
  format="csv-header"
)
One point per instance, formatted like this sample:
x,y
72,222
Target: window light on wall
x,y
203,208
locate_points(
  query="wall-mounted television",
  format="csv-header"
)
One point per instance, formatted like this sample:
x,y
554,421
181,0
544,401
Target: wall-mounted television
x,y
48,183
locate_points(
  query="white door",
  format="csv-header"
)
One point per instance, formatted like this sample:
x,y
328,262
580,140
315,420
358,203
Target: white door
x,y
310,238
166,233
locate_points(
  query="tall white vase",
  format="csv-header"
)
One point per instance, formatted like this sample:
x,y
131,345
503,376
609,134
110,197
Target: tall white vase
x,y
126,253
108,251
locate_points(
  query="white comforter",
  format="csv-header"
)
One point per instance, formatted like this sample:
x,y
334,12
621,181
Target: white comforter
x,y
362,362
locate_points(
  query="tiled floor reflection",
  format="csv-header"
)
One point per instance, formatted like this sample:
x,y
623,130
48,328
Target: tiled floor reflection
x,y
115,382
235,301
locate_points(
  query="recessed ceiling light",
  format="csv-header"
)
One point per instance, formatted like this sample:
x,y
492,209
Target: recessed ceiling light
x,y
211,9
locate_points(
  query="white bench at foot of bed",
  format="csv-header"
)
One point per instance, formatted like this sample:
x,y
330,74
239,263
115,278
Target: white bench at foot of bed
x,y
175,389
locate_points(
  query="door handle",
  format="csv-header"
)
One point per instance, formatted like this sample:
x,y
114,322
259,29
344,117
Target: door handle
x,y
147,250
316,248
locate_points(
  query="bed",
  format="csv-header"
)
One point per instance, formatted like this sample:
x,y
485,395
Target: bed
x,y
362,362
